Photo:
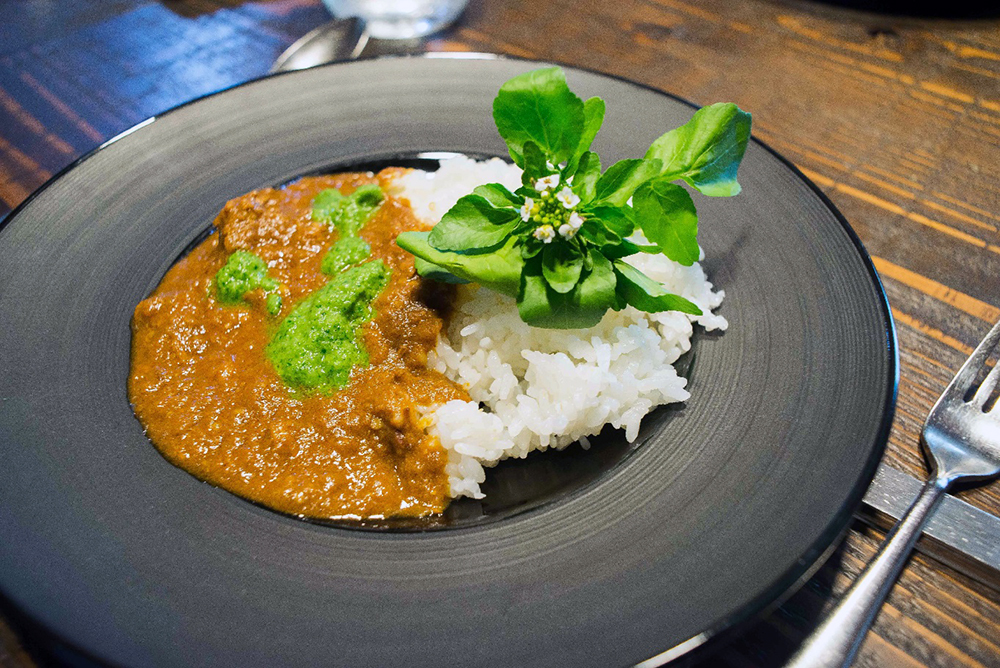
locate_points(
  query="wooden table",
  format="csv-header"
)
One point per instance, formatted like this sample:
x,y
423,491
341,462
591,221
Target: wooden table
x,y
897,120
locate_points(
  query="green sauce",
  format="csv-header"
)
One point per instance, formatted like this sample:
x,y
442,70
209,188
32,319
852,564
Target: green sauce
x,y
344,253
242,273
347,213
319,342
273,303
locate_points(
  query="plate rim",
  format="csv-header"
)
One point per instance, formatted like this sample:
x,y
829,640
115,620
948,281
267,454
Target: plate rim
x,y
809,562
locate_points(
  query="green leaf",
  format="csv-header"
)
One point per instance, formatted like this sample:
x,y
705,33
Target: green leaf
x,y
498,195
588,171
473,224
583,306
593,117
498,270
598,234
538,106
646,294
623,178
561,266
618,219
666,214
530,247
535,164
435,273
619,250
707,150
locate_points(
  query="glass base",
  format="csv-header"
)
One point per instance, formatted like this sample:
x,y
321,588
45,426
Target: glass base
x,y
399,19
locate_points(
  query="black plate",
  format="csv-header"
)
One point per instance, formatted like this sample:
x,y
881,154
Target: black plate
x,y
730,504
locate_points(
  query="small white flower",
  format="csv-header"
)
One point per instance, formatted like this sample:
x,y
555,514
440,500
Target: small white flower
x,y
566,231
545,234
568,198
547,182
526,209
575,220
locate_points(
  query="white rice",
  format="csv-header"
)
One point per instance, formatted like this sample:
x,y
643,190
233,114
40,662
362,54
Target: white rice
x,y
547,388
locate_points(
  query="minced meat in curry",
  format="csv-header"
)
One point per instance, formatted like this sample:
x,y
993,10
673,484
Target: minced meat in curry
x,y
226,389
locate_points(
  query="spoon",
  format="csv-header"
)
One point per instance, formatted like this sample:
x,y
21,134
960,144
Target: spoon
x,y
340,39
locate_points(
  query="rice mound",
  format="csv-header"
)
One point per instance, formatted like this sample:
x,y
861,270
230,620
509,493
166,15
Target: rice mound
x,y
547,388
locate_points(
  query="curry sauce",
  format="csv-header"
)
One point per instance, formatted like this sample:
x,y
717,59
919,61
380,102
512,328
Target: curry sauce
x,y
213,404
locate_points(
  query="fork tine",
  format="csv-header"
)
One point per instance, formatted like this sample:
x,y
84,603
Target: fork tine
x,y
986,389
967,374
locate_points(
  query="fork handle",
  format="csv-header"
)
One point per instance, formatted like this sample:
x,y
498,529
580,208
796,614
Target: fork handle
x,y
835,642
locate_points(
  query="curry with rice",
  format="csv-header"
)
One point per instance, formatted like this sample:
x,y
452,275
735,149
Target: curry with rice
x,y
335,433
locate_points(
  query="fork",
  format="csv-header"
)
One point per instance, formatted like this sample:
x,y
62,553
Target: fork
x,y
961,440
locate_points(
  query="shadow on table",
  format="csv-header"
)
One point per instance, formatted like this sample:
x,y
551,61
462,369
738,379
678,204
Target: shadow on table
x,y
959,9
40,648
194,8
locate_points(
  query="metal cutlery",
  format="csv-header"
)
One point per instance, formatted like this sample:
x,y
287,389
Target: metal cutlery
x,y
961,440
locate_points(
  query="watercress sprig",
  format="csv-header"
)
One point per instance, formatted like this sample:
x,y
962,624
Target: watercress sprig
x,y
557,243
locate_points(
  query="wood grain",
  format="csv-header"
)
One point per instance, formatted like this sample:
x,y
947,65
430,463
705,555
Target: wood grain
x,y
896,120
